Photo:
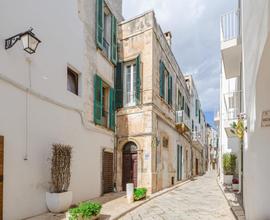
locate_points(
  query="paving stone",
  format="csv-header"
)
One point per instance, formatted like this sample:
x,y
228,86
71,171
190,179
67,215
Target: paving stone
x,y
200,199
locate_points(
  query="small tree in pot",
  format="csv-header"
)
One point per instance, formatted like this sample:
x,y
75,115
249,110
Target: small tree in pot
x,y
59,198
229,165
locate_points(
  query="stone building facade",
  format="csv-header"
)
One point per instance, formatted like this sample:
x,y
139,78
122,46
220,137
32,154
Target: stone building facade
x,y
198,130
153,109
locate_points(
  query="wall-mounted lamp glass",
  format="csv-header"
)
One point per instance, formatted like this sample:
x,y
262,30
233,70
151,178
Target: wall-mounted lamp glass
x,y
28,38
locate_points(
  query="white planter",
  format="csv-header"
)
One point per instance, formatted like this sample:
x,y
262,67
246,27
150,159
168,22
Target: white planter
x,y
228,179
59,202
235,187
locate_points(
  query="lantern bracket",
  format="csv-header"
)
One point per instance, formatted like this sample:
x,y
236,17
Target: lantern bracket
x,y
10,42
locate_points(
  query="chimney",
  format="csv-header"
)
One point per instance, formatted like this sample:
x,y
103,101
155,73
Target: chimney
x,y
168,36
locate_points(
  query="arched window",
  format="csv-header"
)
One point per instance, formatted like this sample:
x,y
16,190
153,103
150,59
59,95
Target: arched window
x,y
130,148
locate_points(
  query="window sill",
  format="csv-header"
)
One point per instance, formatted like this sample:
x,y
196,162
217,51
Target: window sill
x,y
106,57
166,103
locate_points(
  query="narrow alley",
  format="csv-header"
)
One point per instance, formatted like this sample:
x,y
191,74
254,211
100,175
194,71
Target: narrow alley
x,y
199,199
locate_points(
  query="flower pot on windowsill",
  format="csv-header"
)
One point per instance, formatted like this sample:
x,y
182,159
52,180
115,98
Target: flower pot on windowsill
x,y
58,202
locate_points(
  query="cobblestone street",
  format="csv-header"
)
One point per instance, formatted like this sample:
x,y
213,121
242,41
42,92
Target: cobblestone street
x,y
199,199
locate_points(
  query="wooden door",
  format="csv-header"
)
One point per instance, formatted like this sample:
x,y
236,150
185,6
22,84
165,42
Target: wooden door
x,y
1,174
129,169
107,172
179,162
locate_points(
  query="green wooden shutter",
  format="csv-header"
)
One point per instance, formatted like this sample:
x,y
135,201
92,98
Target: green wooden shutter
x,y
98,100
99,23
138,79
114,40
118,81
112,110
170,90
161,79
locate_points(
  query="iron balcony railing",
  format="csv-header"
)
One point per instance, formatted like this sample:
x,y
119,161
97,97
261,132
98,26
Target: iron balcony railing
x,y
232,102
182,118
197,137
230,25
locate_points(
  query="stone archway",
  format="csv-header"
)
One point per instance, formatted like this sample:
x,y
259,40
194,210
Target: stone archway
x,y
129,164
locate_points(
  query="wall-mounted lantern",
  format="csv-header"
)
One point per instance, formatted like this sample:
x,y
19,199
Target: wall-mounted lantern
x,y
28,38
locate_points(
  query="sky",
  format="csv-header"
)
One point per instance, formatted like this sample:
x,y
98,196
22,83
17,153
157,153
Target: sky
x,y
195,29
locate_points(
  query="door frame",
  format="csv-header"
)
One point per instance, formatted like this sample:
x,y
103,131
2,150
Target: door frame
x,y
179,162
131,153
106,150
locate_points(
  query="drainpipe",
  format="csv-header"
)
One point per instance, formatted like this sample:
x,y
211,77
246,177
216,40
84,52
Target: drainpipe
x,y
27,110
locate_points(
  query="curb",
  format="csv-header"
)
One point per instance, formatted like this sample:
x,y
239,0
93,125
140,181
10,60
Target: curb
x,y
229,203
155,195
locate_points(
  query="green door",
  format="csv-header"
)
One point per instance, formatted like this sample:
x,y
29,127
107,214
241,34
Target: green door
x,y
179,162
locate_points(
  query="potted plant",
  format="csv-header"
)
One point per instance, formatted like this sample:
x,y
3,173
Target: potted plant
x,y
229,165
59,198
139,193
85,211
235,184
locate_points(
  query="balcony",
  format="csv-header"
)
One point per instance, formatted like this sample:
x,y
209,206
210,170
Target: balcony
x,y
231,43
183,122
232,101
197,139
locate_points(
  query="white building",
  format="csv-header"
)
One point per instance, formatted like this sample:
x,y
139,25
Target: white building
x,y
246,53
48,97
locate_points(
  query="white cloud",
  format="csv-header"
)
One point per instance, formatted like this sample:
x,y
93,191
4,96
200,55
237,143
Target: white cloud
x,y
196,43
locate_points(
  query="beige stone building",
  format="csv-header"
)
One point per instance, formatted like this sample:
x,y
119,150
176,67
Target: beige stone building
x,y
198,129
153,109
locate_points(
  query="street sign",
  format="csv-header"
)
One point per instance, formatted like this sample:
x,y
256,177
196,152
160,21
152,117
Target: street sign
x,y
266,119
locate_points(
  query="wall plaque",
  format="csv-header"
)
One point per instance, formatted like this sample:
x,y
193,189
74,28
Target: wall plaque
x,y
266,119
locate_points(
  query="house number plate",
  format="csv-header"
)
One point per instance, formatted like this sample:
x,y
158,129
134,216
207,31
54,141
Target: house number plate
x,y
266,119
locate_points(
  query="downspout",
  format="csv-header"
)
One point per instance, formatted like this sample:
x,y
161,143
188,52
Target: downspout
x,y
27,110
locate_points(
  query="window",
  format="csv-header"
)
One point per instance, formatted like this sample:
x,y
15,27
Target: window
x,y
187,110
105,104
165,84
130,84
104,110
231,102
106,31
72,81
179,101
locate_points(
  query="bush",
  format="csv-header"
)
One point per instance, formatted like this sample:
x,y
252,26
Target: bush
x,y
139,193
229,164
60,167
85,210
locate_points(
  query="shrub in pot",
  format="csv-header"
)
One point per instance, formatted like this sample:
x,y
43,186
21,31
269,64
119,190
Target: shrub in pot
x,y
229,165
235,184
85,211
139,193
59,198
